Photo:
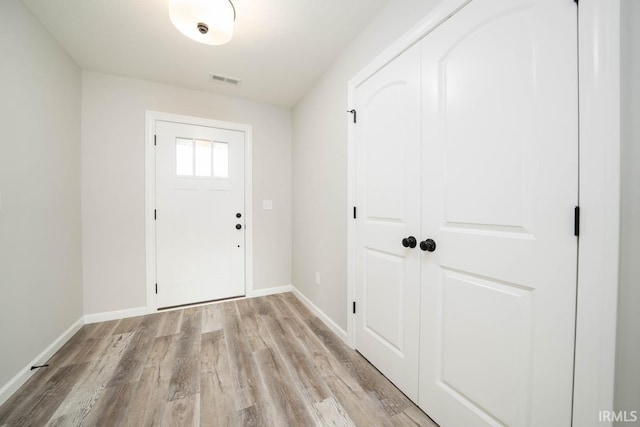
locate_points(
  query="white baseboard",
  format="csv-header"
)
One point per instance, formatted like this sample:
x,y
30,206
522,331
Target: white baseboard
x,y
341,333
115,315
270,291
25,373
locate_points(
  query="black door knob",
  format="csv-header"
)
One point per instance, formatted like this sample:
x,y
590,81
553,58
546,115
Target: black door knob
x,y
428,245
238,215
409,242
238,226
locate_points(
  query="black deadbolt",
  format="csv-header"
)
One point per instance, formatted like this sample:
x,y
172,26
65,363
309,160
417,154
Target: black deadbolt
x,y
428,245
238,215
238,226
409,242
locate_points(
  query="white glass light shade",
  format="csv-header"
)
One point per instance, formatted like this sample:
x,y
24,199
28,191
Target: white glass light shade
x,y
188,16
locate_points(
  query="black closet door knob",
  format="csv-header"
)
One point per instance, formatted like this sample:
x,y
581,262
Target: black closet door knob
x,y
238,226
428,245
409,242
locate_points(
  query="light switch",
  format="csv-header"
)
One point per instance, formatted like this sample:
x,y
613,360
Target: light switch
x,y
267,204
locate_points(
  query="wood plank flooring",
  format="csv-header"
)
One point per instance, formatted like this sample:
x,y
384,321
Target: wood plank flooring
x,y
264,361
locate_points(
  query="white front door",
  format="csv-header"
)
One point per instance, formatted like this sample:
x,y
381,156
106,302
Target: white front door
x,y
499,187
200,251
388,203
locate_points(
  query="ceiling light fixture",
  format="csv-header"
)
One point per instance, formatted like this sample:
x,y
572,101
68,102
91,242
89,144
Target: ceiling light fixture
x,y
205,21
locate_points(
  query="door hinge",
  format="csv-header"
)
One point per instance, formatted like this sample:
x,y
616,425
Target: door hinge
x,y
354,307
154,139
155,214
354,212
156,288
576,221
354,114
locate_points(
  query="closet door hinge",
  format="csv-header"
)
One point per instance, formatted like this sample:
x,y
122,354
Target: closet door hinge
x,y
354,114
354,212
576,221
156,288
155,214
154,139
354,307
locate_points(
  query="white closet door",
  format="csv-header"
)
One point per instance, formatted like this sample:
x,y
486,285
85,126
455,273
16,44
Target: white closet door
x,y
200,213
388,202
500,158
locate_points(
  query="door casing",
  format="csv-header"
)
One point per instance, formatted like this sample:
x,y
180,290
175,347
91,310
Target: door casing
x,y
150,195
599,178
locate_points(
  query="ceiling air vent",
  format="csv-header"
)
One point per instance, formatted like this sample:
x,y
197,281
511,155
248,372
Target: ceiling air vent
x,y
223,79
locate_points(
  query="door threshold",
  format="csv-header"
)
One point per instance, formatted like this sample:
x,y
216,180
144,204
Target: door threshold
x,y
194,304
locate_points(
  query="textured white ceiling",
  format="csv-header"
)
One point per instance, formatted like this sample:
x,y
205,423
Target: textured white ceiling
x,y
279,47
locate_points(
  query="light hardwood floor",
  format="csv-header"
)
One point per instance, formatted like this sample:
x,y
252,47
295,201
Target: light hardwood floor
x,y
265,361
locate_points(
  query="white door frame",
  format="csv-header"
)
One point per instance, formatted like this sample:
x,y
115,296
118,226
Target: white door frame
x,y
150,195
599,177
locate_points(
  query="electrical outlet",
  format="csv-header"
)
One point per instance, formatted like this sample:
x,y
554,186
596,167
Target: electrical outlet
x,y
317,278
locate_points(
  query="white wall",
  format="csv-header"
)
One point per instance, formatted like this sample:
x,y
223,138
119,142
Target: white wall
x,y
113,191
627,385
320,162
40,253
